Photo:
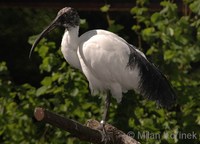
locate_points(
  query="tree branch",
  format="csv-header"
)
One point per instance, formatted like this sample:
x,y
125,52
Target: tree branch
x,y
89,132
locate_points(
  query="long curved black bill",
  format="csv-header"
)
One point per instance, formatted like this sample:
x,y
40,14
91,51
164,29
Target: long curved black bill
x,y
43,33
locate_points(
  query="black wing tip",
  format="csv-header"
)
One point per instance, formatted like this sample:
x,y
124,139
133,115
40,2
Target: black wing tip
x,y
167,103
153,84
158,88
163,100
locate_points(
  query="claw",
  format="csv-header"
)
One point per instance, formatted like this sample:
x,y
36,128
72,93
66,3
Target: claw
x,y
105,137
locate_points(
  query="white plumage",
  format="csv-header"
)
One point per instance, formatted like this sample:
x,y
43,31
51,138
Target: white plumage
x,y
103,57
109,62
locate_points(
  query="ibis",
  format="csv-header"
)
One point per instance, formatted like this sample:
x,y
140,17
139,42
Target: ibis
x,y
110,64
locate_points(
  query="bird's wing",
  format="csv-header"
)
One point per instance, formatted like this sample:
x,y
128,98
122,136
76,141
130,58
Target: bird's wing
x,y
112,59
153,84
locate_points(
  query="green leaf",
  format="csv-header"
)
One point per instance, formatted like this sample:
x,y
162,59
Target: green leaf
x,y
55,76
170,31
105,8
47,81
3,67
151,50
32,39
198,120
134,10
43,51
155,17
139,10
115,28
195,7
83,24
41,90
169,54
136,27
148,31
198,34
58,89
46,66
149,34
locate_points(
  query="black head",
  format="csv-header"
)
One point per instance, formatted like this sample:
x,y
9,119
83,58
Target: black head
x,y
66,17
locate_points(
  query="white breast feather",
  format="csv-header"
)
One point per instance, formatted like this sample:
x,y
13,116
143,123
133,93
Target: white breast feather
x,y
104,58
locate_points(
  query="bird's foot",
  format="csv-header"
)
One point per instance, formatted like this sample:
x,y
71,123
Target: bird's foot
x,y
105,136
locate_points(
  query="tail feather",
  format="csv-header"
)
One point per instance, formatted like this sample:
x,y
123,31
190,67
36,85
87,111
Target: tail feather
x,y
153,84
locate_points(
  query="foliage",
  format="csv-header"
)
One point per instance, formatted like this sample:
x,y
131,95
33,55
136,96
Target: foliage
x,y
170,39
62,90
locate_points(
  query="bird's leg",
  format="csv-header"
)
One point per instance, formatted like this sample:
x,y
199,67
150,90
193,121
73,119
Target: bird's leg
x,y
106,109
105,115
